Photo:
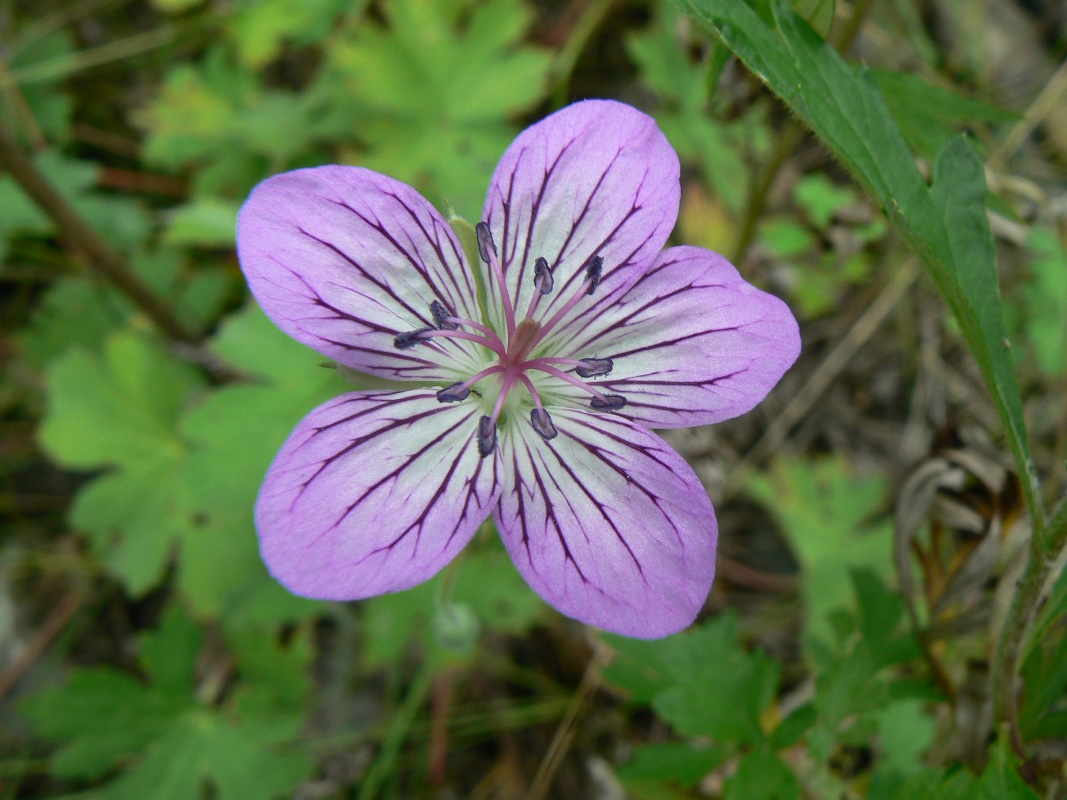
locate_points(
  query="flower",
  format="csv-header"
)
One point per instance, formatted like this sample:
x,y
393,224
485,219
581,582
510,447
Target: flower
x,y
536,374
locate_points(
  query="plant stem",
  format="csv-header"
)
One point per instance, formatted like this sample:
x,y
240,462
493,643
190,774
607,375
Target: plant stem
x,y
83,238
398,731
1030,595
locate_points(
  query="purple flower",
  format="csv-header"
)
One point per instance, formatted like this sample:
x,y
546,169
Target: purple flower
x,y
536,374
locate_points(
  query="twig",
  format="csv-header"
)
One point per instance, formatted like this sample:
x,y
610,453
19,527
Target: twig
x,y
83,238
564,735
56,622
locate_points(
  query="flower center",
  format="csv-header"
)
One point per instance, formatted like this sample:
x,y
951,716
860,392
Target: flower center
x,y
514,360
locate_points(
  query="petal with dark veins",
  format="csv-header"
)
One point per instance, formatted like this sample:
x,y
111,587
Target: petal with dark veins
x,y
344,259
595,178
373,492
608,524
691,343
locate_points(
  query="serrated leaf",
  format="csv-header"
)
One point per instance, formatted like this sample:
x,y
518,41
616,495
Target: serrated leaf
x,y
701,681
764,775
827,515
676,762
946,225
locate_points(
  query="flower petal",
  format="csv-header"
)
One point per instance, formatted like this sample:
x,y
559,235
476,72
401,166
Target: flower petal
x,y
344,259
373,492
691,343
608,524
595,178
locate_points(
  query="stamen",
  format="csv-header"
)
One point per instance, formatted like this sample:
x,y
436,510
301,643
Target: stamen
x,y
594,367
539,364
408,339
455,393
543,283
461,390
607,402
542,423
593,273
543,279
487,252
442,316
486,436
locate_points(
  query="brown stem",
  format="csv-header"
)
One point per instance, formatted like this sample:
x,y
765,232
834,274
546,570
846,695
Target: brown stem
x,y
84,239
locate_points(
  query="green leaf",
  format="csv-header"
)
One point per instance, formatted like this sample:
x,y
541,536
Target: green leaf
x,y
946,225
701,681
436,94
1045,302
929,116
905,731
1001,780
208,222
677,762
259,28
827,514
169,744
762,774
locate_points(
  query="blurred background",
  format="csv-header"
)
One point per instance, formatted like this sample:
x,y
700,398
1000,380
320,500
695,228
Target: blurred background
x,y
871,520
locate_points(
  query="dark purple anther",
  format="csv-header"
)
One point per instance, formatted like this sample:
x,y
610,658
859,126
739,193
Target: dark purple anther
x,y
454,393
593,273
609,402
542,423
486,436
543,273
408,339
486,245
594,367
440,316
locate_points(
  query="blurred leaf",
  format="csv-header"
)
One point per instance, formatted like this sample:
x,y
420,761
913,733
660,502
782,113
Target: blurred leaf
x,y
827,514
1043,308
700,681
120,220
208,222
929,116
676,762
683,115
260,27
945,224
905,731
435,94
822,198
47,101
171,745
1001,780
764,775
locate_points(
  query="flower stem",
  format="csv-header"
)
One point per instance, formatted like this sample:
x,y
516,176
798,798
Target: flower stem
x,y
397,732
1029,597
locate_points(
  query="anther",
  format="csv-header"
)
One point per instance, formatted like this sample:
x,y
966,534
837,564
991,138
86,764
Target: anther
x,y
609,402
408,339
542,423
454,393
486,245
593,273
594,367
440,316
486,436
543,273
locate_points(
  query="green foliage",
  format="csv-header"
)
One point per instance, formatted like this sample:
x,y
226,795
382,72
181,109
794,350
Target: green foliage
x,y
1041,306
830,517
434,91
946,224
683,114
169,741
119,219
701,681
